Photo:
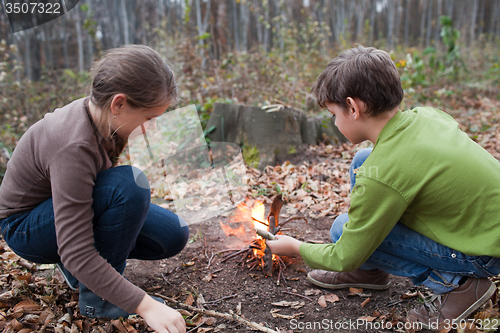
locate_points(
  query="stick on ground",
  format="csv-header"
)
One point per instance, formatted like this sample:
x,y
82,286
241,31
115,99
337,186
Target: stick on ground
x,y
227,316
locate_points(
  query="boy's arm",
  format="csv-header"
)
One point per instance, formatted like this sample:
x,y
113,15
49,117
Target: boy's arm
x,y
284,245
373,213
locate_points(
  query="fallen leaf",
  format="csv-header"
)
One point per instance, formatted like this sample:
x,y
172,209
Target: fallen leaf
x,y
200,301
123,326
238,309
322,301
355,291
185,313
367,318
210,321
26,306
310,292
409,295
332,298
188,264
189,300
208,277
293,305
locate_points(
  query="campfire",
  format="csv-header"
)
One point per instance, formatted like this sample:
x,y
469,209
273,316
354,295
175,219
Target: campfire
x,y
250,225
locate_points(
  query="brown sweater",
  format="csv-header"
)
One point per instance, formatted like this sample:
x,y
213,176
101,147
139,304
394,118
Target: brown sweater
x,y
59,157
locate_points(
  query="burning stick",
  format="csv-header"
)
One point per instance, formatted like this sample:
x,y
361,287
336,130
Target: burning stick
x,y
264,234
273,219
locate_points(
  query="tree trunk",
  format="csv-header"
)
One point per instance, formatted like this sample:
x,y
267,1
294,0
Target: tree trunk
x,y
90,38
407,22
429,24
422,21
236,30
372,22
244,23
125,21
390,23
438,24
267,25
473,22
359,20
495,14
79,38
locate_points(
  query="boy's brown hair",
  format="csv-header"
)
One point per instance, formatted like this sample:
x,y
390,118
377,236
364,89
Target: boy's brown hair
x,y
366,73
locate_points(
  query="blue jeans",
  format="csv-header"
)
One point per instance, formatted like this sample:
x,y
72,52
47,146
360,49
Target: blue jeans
x,y
405,252
126,225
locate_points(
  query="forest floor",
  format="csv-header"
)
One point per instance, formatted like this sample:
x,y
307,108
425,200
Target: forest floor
x,y
237,295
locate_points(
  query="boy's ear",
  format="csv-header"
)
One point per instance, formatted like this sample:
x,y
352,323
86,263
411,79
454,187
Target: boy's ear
x,y
355,108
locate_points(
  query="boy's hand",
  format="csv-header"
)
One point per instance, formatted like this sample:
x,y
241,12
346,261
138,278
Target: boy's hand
x,y
284,246
160,317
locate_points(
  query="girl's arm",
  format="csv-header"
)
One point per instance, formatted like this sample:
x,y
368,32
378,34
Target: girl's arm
x,y
161,318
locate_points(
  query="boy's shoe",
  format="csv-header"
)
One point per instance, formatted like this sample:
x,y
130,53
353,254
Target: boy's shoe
x,y
93,306
70,279
443,310
359,278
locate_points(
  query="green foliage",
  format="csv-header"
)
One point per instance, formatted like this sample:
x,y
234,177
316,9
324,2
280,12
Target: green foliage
x,y
428,67
89,23
453,62
493,73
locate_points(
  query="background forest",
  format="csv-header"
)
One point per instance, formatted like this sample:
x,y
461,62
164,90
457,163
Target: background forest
x,y
251,51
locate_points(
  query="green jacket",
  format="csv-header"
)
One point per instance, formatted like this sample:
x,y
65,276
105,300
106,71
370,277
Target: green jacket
x,y
427,174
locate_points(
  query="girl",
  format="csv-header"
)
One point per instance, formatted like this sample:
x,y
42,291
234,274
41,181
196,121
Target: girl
x,y
63,199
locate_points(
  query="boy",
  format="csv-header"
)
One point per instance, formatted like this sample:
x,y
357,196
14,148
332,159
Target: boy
x,y
425,202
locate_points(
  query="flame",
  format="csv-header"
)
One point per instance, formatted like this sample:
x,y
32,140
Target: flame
x,y
258,211
248,215
241,224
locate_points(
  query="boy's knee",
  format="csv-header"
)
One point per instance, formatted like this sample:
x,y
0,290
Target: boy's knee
x,y
337,227
361,156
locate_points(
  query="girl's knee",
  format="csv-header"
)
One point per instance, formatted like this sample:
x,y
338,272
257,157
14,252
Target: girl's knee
x,y
128,183
337,227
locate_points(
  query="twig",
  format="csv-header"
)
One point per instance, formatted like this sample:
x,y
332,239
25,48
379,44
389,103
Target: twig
x,y
261,222
165,279
227,250
227,316
220,299
192,330
235,254
290,293
293,219
216,271
210,260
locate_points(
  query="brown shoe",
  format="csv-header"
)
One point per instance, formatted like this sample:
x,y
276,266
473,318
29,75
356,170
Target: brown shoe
x,y
440,310
359,278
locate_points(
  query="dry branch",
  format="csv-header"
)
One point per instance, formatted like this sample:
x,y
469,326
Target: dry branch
x,y
227,316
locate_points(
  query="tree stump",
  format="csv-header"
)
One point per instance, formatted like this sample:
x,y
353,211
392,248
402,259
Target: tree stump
x,y
272,134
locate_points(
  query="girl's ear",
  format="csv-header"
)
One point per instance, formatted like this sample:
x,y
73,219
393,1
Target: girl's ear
x,y
117,103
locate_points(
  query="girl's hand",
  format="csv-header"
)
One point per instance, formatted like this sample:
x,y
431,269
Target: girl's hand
x,y
284,245
160,317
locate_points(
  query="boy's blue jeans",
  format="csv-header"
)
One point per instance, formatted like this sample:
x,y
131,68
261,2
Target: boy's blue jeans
x,y
126,225
405,252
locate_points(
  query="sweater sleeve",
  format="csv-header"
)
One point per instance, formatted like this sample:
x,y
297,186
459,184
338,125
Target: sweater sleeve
x,y
73,170
375,209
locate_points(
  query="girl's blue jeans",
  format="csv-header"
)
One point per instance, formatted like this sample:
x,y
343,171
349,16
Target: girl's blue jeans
x,y
405,252
126,225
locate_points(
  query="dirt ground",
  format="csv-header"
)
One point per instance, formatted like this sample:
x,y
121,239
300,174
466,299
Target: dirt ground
x,y
189,272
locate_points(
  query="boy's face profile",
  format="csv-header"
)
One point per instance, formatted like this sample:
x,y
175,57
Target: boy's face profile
x,y
347,122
